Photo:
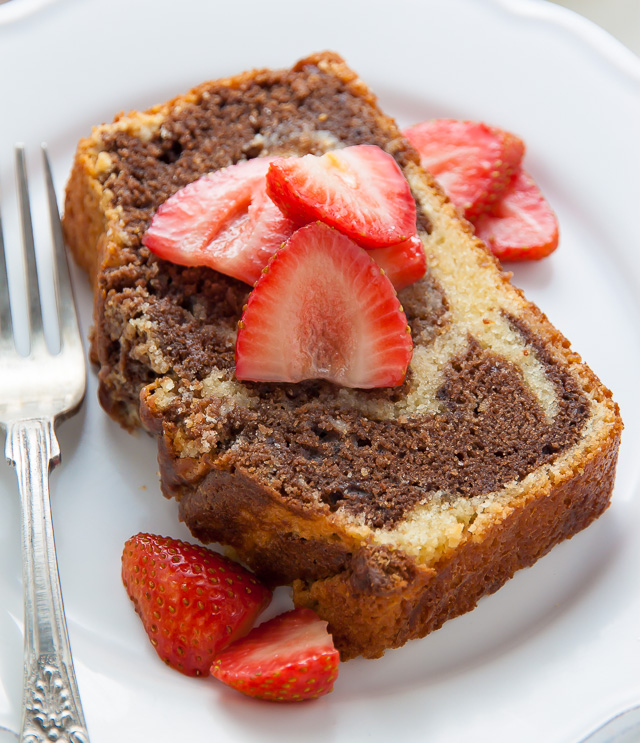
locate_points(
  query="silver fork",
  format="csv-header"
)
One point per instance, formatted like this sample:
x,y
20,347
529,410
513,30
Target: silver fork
x,y
37,391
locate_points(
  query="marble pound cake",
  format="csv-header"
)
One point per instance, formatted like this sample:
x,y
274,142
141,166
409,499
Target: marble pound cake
x,y
389,510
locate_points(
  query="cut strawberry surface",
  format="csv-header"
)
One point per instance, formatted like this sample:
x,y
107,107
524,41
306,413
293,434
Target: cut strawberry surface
x,y
224,220
403,263
359,190
290,658
472,162
323,310
193,602
265,230
522,225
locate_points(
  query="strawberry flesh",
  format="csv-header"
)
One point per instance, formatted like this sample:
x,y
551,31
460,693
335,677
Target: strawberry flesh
x,y
359,190
224,220
193,602
322,309
522,225
404,263
472,162
227,221
290,658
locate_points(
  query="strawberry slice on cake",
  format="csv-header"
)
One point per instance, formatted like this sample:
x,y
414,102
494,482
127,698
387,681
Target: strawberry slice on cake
x,y
323,309
224,220
359,190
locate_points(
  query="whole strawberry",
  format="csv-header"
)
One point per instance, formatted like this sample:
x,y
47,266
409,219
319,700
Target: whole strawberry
x,y
290,658
193,602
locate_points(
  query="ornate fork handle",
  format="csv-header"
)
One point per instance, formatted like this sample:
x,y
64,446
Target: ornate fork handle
x,y
52,709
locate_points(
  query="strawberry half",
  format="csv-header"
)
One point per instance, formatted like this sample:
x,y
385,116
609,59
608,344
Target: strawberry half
x,y
323,310
522,225
403,263
193,602
224,220
359,190
472,162
288,659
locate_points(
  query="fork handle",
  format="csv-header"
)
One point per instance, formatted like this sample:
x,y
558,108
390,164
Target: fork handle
x,y
51,704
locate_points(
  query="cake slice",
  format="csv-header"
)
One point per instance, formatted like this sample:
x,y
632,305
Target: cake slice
x,y
390,510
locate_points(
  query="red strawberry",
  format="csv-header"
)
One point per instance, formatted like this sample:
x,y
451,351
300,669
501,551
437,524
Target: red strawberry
x,y
403,263
521,226
288,659
359,190
323,310
224,220
472,161
193,602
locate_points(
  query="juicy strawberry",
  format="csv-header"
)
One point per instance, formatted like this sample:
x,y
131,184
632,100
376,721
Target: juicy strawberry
x,y
288,659
359,190
472,161
521,226
323,310
224,220
403,263
193,602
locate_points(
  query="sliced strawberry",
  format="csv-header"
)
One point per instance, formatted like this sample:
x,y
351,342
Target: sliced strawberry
x,y
323,310
193,602
288,659
224,220
521,226
266,230
472,161
403,263
359,190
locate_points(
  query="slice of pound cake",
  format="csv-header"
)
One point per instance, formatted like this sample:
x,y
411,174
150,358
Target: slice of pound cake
x,y
388,510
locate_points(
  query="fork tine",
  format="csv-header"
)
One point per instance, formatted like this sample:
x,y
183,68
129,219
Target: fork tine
x,y
65,303
37,340
6,326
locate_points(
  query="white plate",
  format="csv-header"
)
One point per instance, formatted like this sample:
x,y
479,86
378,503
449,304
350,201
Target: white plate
x,y
557,650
